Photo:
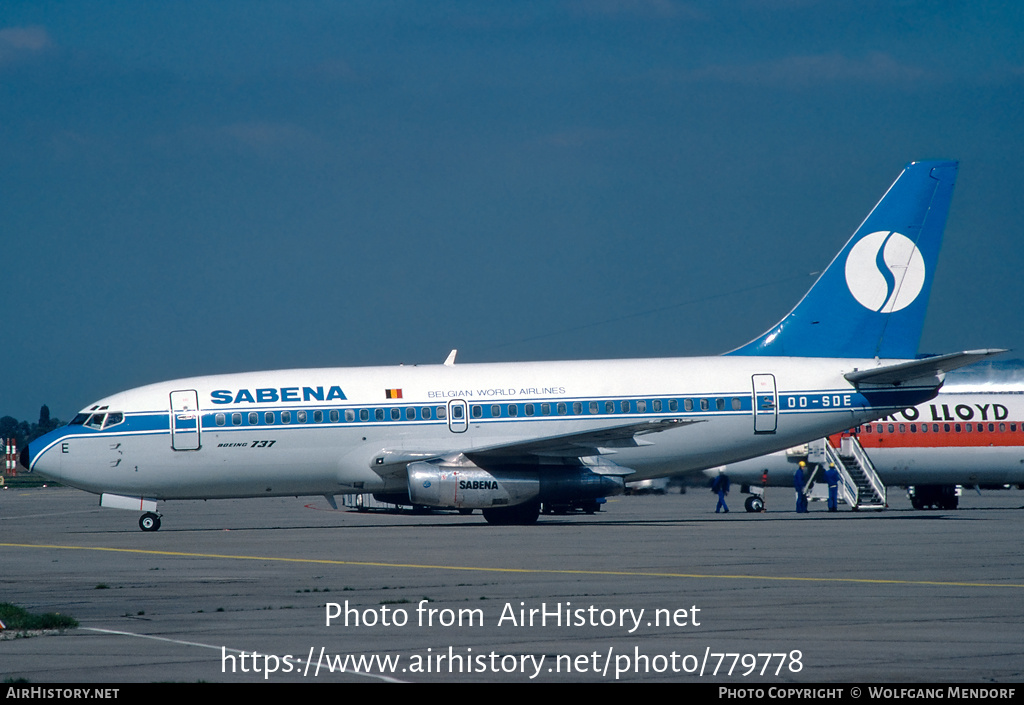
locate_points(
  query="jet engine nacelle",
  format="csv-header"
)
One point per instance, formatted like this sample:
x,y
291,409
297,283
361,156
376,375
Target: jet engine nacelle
x,y
471,487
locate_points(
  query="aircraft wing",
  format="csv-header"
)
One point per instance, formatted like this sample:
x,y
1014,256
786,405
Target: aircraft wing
x,y
570,445
574,445
918,369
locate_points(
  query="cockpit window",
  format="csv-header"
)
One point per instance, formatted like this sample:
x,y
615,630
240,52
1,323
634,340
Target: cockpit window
x,y
97,420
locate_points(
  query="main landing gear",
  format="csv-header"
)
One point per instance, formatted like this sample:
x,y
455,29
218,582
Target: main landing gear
x,y
518,514
149,522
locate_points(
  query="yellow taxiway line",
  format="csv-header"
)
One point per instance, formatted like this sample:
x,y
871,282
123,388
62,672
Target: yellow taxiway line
x,y
534,571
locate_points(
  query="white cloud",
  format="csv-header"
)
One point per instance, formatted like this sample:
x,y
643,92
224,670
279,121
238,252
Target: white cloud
x,y
21,42
637,8
813,70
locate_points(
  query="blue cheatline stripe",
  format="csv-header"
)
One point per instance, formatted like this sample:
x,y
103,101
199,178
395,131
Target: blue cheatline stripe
x,y
789,403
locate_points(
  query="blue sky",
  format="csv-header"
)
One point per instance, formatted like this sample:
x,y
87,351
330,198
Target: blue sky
x,y
193,187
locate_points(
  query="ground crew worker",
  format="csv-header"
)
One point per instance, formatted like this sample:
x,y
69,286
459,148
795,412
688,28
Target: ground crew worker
x,y
764,490
721,486
832,480
798,485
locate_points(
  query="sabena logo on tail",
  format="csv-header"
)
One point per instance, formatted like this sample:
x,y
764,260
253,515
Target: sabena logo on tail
x,y
871,301
885,272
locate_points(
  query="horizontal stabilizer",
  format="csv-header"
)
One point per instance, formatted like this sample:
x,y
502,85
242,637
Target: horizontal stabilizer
x,y
916,369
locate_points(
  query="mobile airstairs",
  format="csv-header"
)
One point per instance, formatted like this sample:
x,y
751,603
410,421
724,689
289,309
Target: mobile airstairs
x,y
859,484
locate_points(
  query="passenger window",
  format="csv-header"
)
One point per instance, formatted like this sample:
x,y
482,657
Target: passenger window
x,y
364,414
736,405
378,414
457,411
704,405
301,417
641,407
396,413
720,404
673,405
425,413
495,411
577,407
529,409
236,419
513,410
410,414
626,407
545,409
442,413
478,411
561,409
318,415
269,417
221,419
687,404
254,418
593,407
286,417
609,407
656,406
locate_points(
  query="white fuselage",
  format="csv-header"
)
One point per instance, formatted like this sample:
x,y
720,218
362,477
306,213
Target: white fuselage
x,y
353,430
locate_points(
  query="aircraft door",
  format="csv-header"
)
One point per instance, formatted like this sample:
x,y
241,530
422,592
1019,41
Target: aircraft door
x,y
185,420
766,404
458,416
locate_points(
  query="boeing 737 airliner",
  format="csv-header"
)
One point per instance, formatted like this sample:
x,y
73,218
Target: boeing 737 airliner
x,y
506,437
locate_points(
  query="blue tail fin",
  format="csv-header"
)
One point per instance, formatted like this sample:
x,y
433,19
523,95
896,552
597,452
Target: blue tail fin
x,y
872,299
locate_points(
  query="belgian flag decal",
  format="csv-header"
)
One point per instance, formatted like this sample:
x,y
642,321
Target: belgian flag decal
x,y
392,393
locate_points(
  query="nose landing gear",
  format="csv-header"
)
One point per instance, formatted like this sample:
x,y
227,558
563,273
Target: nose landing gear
x,y
149,522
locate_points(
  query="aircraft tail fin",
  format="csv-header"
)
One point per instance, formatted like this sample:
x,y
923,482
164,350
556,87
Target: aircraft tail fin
x,y
872,299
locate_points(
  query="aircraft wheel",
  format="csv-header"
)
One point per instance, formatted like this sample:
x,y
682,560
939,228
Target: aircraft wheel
x,y
149,522
518,515
754,504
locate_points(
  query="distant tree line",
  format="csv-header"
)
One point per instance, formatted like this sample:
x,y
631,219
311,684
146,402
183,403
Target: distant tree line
x,y
27,432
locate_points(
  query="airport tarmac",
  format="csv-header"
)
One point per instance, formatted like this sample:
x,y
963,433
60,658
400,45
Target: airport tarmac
x,y
899,595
